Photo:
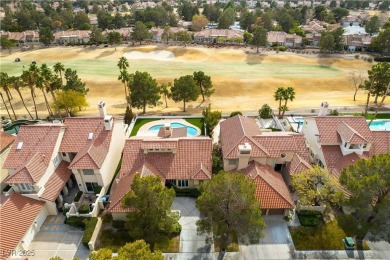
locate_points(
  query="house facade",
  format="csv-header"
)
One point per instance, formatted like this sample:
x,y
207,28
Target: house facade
x,y
66,37
157,34
219,36
266,157
357,42
276,38
184,162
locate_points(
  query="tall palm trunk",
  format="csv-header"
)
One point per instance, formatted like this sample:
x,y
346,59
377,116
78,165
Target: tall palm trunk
x,y
21,97
368,97
62,83
47,103
280,107
6,108
33,98
380,104
9,100
285,106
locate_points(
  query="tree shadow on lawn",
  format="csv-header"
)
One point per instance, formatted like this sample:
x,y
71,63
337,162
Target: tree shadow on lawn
x,y
255,58
106,54
325,61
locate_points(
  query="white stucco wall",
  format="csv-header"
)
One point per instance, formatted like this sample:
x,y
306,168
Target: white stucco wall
x,y
33,230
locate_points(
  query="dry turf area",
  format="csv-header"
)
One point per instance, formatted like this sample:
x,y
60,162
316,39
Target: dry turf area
x,y
243,80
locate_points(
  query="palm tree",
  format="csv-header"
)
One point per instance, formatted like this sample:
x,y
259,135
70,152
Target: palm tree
x,y
29,78
59,68
17,83
6,108
124,77
4,83
48,78
289,94
123,64
278,96
40,83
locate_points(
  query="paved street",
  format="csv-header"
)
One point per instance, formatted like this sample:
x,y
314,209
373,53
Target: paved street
x,y
380,249
58,239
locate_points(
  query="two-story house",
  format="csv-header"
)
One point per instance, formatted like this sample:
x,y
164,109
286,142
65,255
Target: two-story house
x,y
182,161
92,146
265,157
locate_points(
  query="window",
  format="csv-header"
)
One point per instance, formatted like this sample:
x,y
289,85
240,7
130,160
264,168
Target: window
x,y
25,187
345,145
91,186
63,154
182,183
56,160
283,155
364,146
88,172
233,162
172,181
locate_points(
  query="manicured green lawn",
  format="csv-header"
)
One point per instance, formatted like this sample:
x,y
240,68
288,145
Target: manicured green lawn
x,y
379,116
327,236
139,123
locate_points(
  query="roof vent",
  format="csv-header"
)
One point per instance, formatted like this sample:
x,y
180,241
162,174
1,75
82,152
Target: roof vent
x,y
19,147
90,136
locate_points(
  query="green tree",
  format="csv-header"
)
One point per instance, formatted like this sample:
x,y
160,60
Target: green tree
x,y
46,35
227,18
69,100
183,36
185,89
373,25
81,21
114,38
326,42
382,87
204,83
138,250
234,113
73,82
6,43
265,111
259,37
212,12
165,91
368,181
247,20
339,13
151,218
29,78
199,22
338,38
382,42
4,84
144,90
96,36
229,206
101,254
140,32
124,77
104,20
187,10
17,84
288,94
5,105
167,34
315,187
211,119
279,96
59,68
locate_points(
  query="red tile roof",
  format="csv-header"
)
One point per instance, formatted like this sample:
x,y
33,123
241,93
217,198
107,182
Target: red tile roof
x,y
36,139
297,165
271,191
332,154
17,214
349,134
192,160
56,182
5,140
328,126
30,172
159,144
381,142
90,153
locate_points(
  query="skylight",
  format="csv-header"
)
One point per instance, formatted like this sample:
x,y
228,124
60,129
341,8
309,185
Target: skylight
x,y
90,136
20,144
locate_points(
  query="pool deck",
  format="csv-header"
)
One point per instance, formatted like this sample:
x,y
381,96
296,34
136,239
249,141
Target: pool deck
x,y
144,130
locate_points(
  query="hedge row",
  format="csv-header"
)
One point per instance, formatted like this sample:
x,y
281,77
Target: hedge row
x,y
187,192
309,221
382,59
90,224
310,213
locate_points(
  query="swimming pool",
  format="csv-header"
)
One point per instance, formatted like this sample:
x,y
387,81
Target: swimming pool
x,y
380,124
190,130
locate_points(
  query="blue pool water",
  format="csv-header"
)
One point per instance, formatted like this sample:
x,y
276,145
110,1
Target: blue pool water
x,y
190,130
380,125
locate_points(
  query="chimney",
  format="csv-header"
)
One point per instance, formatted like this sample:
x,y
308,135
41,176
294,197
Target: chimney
x,y
244,153
324,109
108,121
102,109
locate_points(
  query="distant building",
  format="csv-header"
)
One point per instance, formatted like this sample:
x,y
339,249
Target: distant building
x,y
284,39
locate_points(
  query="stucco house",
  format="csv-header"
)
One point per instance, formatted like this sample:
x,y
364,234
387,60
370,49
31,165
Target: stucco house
x,y
218,36
266,157
5,144
357,42
26,37
182,161
66,37
157,33
92,146
284,39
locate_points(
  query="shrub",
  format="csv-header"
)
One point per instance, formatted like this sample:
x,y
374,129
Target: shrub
x,y
177,229
334,112
382,59
107,218
118,224
75,222
265,111
187,192
97,189
356,56
78,196
369,59
310,213
84,209
309,221
90,224
234,113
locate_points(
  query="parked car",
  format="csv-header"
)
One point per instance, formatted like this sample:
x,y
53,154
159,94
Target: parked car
x,y
17,59
349,243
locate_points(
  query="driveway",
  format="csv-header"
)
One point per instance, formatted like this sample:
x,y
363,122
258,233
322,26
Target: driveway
x,y
58,239
192,244
276,243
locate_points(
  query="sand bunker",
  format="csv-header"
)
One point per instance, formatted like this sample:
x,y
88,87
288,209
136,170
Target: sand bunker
x,y
153,55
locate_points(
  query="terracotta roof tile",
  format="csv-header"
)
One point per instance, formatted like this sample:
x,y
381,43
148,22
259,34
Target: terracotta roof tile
x,y
118,191
30,172
332,154
328,125
228,33
297,165
36,139
349,134
271,191
5,140
159,144
56,182
17,214
381,142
